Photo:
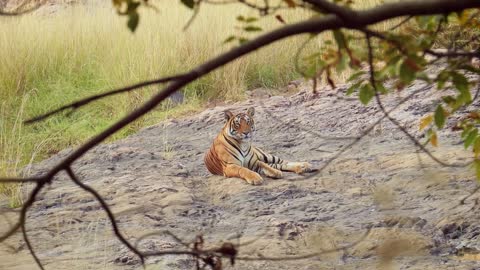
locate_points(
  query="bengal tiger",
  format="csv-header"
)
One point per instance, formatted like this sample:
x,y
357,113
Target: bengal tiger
x,y
233,155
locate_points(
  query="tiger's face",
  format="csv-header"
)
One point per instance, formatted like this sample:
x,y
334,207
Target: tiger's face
x,y
240,126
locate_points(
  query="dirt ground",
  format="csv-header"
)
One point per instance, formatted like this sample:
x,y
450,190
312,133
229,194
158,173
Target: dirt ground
x,y
155,181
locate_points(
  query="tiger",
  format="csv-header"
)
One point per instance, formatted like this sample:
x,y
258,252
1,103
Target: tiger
x,y
233,155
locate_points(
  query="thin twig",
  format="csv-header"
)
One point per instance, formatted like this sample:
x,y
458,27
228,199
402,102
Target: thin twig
x,y
85,101
160,233
106,208
364,133
21,180
196,10
307,256
404,21
462,201
393,120
30,247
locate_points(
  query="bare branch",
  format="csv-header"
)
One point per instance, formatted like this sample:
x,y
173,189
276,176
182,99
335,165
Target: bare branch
x,y
85,101
196,10
462,201
106,208
29,245
21,180
10,232
454,54
345,14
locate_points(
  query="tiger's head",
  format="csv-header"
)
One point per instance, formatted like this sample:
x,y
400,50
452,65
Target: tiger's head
x,y
240,126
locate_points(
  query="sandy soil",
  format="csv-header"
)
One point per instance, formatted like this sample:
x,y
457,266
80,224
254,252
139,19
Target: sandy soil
x,y
155,181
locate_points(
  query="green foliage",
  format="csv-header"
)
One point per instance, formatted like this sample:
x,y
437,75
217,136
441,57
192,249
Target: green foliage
x,y
129,8
440,115
366,93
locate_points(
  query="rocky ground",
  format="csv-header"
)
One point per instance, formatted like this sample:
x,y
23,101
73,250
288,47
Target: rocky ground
x,y
155,181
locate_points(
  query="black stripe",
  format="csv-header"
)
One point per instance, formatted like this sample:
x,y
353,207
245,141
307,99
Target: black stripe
x,y
251,158
248,152
255,166
232,144
265,159
232,153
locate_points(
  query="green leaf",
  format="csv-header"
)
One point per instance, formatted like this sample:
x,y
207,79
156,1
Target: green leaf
x,y
381,88
407,75
442,77
466,131
342,64
132,6
471,68
470,138
366,94
133,19
476,164
352,88
242,40
476,147
229,39
461,83
188,3
448,99
355,75
251,19
252,28
439,116
340,39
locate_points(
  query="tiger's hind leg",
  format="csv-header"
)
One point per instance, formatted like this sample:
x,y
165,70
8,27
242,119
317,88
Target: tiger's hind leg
x,y
269,171
282,165
296,167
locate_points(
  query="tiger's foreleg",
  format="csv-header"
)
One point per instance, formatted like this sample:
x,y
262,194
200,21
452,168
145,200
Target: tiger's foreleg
x,y
233,170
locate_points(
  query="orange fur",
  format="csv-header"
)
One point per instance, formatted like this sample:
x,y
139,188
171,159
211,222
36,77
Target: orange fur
x,y
232,154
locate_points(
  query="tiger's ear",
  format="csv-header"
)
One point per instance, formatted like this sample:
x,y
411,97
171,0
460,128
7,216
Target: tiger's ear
x,y
251,111
228,115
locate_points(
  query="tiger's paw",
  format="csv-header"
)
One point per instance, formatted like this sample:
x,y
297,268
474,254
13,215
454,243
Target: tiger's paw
x,y
254,179
303,167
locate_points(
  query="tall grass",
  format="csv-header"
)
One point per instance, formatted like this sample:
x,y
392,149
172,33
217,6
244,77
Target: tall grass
x,y
55,58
